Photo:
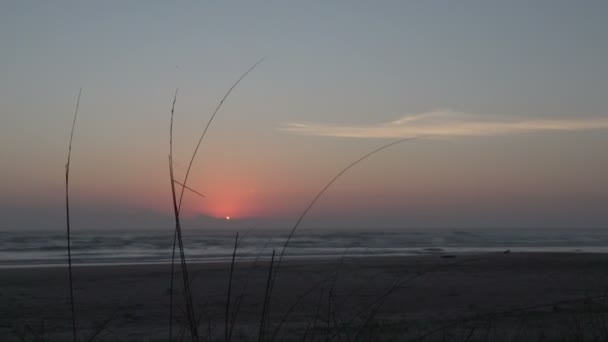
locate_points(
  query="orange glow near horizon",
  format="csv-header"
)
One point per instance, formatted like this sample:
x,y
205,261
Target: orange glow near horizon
x,y
241,200
226,201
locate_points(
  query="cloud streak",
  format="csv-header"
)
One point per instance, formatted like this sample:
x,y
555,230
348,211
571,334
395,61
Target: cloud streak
x,y
448,124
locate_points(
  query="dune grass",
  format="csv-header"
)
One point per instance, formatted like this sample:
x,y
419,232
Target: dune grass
x,y
177,236
266,301
360,326
67,216
317,197
177,206
178,233
227,329
329,184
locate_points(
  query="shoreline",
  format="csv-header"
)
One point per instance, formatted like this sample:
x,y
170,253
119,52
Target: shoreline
x,y
415,253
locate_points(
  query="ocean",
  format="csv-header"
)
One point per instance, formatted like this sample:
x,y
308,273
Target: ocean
x,y
44,248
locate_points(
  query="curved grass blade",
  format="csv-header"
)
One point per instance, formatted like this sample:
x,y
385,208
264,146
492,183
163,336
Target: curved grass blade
x,y
67,214
200,140
328,185
178,235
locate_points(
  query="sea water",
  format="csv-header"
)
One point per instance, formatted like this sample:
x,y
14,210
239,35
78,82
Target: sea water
x,y
48,248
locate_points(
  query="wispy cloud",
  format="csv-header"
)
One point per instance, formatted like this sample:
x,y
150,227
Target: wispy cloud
x,y
446,123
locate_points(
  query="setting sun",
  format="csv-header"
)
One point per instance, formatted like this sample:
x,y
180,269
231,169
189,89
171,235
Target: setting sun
x,y
228,218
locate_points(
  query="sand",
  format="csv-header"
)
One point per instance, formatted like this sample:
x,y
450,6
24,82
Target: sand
x,y
502,297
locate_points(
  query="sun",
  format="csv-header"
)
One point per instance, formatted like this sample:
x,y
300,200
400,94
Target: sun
x,y
227,218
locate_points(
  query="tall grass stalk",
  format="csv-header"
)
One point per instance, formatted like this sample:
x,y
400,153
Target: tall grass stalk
x,y
178,232
328,185
178,204
266,303
227,310
297,302
200,140
239,298
314,322
320,193
67,214
332,277
332,288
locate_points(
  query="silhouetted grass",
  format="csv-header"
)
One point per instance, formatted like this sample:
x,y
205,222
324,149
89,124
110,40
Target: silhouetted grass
x,y
178,204
318,196
190,189
230,277
266,302
522,313
298,300
328,185
363,324
178,231
241,296
314,321
67,215
200,140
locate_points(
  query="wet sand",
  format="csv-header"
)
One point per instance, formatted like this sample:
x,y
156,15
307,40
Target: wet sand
x,y
513,296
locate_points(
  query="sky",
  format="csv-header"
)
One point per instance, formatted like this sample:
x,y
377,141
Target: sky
x,y
506,99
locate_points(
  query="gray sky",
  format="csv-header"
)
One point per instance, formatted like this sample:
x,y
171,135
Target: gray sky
x,y
339,79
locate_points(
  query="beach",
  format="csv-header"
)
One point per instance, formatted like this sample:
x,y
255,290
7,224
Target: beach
x,y
497,296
